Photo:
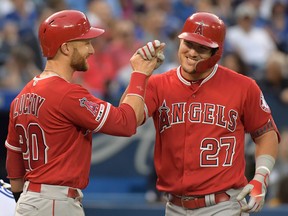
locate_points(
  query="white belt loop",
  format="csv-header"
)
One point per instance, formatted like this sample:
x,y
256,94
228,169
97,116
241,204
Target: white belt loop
x,y
210,200
25,187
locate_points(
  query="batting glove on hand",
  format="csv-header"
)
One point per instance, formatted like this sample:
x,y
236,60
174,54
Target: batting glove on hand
x,y
257,190
149,51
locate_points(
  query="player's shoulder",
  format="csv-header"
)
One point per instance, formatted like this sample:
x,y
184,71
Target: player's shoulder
x,y
167,74
233,76
52,86
63,87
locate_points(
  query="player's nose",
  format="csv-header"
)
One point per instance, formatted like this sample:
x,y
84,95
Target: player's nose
x,y
91,49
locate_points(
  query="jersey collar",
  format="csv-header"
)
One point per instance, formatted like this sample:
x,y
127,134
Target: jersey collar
x,y
184,81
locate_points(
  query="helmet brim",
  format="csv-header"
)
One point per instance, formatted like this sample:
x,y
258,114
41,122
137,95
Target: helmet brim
x,y
92,33
197,38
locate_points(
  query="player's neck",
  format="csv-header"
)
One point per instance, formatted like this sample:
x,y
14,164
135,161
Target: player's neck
x,y
49,72
194,76
53,69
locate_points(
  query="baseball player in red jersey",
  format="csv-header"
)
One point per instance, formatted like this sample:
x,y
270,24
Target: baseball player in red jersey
x,y
201,112
52,120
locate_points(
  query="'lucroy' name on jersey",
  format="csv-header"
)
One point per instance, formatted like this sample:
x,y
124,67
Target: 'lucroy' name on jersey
x,y
28,104
204,113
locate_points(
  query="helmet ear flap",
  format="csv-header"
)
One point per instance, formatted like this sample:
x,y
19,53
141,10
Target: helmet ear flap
x,y
206,64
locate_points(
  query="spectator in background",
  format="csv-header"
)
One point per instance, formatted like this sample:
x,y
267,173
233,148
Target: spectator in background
x,y
78,4
152,25
9,39
56,5
123,43
275,76
253,44
260,19
100,72
205,5
278,190
274,85
224,10
278,25
282,193
92,12
24,15
123,9
101,15
18,69
182,9
233,61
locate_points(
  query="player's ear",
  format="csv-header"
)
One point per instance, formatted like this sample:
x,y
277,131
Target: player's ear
x,y
65,48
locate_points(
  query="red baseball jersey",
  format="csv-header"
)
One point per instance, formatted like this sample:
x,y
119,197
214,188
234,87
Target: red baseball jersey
x,y
200,129
51,124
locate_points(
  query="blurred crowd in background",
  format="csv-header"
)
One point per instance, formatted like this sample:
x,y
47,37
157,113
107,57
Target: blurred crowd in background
x,y
256,45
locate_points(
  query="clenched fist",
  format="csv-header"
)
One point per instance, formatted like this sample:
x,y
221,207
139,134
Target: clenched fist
x,y
153,50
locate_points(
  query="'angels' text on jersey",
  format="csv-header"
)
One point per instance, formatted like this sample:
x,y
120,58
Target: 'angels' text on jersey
x,y
205,113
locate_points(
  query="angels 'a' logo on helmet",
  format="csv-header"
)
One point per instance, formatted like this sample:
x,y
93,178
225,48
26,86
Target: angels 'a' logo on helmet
x,y
199,29
263,104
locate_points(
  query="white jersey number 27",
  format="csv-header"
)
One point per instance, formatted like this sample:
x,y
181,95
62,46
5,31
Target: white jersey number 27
x,y
216,153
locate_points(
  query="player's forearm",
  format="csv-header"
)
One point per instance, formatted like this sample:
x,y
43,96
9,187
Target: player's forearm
x,y
138,106
17,187
267,144
135,105
17,184
135,93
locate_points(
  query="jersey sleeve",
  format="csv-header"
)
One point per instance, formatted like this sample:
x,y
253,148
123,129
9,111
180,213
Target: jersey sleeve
x,y
83,109
14,160
257,114
12,140
96,115
121,121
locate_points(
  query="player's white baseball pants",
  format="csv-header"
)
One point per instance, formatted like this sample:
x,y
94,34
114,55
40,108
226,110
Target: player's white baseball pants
x,y
42,199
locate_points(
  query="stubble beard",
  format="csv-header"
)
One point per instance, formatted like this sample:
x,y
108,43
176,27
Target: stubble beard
x,y
188,70
78,62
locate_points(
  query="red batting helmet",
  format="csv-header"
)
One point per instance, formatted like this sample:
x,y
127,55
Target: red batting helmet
x,y
63,26
206,29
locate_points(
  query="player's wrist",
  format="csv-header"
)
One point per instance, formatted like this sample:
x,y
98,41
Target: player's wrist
x,y
264,166
137,85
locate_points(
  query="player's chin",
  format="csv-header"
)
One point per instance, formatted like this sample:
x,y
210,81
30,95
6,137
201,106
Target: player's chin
x,y
188,68
81,67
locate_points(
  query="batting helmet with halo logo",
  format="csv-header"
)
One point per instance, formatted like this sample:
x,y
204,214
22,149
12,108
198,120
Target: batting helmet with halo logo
x,y
208,30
